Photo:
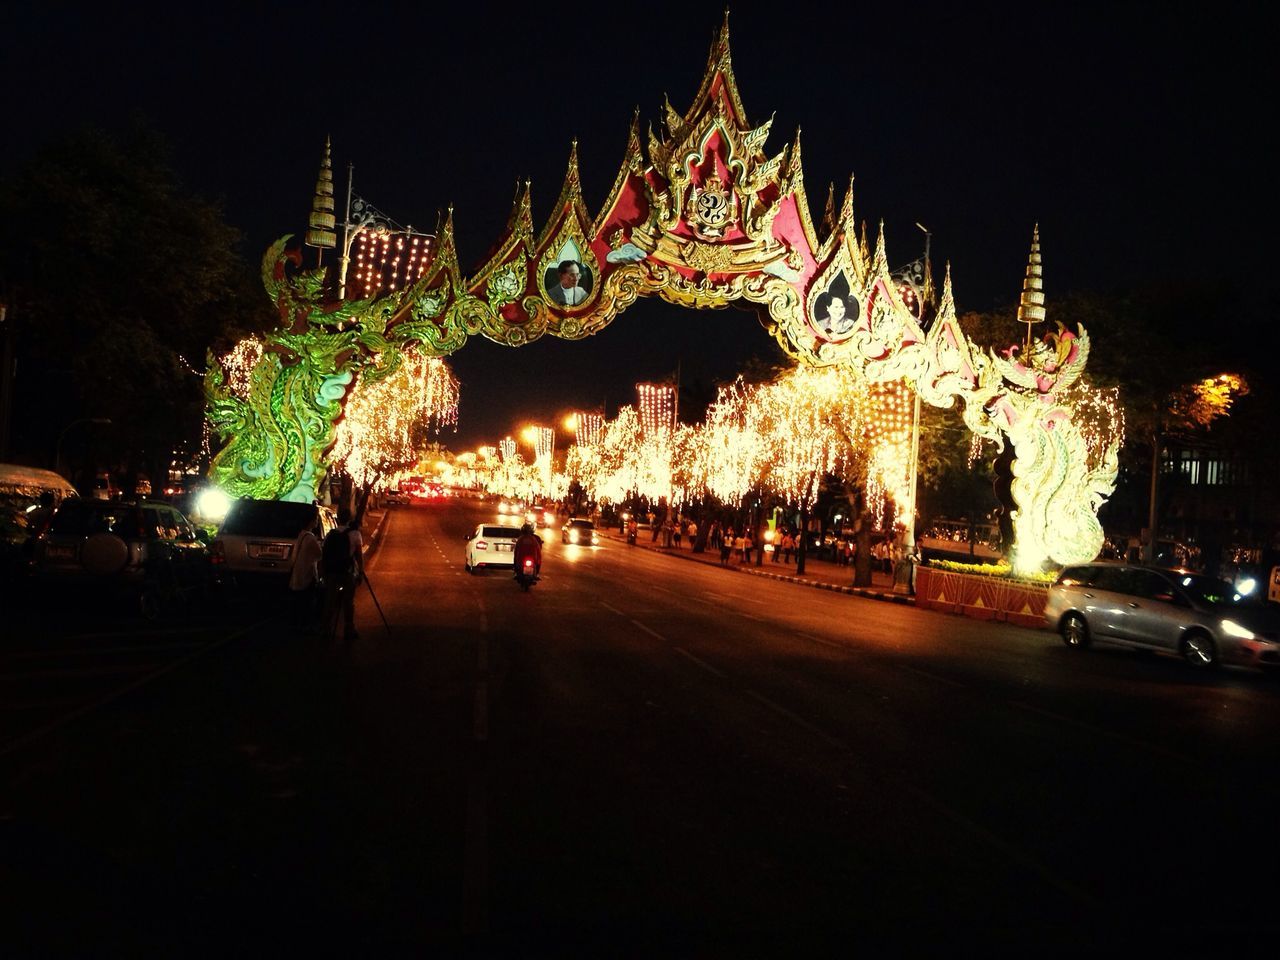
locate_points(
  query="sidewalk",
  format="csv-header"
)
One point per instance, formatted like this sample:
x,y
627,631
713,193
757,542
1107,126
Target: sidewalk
x,y
819,574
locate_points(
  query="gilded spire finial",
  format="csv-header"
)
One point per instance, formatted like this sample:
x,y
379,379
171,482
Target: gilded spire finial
x,y
829,215
1031,306
321,233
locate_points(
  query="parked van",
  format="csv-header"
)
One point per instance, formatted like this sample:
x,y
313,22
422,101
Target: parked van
x,y
22,496
28,498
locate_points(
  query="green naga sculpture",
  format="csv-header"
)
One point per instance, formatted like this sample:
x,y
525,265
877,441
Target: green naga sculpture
x,y
276,436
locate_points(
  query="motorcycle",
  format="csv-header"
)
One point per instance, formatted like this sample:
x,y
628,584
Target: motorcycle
x,y
526,574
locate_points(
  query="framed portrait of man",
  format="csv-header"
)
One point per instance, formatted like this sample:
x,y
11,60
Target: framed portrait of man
x,y
568,283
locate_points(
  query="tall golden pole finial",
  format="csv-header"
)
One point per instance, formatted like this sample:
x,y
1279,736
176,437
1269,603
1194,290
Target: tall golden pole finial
x,y
321,234
1031,306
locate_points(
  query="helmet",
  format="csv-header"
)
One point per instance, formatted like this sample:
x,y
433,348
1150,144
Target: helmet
x,y
527,528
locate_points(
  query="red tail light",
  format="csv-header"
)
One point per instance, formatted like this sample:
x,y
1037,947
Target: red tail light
x,y
217,552
481,545
528,564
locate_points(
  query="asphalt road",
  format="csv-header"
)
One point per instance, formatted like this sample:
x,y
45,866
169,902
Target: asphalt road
x,y
646,756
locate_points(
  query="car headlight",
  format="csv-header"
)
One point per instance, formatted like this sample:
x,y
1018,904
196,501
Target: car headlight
x,y
1233,629
573,536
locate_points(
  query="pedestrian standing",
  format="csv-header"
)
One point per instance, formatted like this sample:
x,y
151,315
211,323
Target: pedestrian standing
x,y
747,545
675,532
788,544
692,533
304,579
342,559
726,547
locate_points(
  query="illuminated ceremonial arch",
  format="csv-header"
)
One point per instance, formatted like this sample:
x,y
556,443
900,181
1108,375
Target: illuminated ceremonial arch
x,y
702,218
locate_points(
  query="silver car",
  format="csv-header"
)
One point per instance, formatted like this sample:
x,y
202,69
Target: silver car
x,y
1202,618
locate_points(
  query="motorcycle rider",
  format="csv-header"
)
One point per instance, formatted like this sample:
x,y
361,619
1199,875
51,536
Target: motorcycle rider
x,y
528,544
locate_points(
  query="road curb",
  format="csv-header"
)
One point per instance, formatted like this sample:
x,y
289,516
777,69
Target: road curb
x,y
863,592
375,538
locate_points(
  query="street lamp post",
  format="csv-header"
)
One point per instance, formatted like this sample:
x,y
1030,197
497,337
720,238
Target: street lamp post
x,y
366,217
57,453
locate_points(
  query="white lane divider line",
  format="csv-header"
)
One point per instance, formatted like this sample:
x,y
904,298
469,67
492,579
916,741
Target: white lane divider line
x,y
1005,847
480,715
702,663
799,721
931,676
652,633
1101,732
613,609
826,643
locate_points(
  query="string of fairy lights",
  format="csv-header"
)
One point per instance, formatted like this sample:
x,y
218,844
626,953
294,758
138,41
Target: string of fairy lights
x,y
384,261
657,403
239,364
588,428
385,423
784,437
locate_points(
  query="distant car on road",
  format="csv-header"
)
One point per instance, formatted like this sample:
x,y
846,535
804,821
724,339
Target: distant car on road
x,y
147,552
257,541
491,545
579,531
1202,618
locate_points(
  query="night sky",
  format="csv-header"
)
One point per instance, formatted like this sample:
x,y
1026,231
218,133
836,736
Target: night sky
x,y
1129,137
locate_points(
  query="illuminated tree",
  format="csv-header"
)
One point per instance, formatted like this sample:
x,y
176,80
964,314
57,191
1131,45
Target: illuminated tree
x,y
388,421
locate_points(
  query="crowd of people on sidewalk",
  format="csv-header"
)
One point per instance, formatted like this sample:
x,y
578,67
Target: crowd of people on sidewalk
x,y
781,545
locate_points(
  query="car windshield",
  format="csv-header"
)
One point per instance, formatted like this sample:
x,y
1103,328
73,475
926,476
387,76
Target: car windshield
x,y
581,524
1212,591
279,519
80,518
498,533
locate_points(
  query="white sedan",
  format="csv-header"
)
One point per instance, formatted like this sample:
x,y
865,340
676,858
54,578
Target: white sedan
x,y
491,546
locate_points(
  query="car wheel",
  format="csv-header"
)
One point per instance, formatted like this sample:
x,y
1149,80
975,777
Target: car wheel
x,y
1199,650
466,566
1075,632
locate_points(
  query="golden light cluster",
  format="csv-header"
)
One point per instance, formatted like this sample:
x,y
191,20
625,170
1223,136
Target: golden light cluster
x,y
1202,402
387,261
588,428
239,364
783,437
387,421
657,406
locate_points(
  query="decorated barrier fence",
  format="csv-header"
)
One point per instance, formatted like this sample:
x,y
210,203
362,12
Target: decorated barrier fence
x,y
1004,599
